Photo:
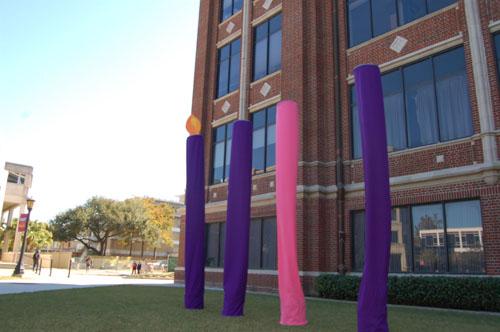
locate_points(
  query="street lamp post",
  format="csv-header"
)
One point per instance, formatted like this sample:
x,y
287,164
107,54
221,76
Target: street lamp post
x,y
19,270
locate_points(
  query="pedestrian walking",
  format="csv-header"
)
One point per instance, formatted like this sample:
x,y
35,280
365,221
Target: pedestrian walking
x,y
139,267
36,259
134,268
88,263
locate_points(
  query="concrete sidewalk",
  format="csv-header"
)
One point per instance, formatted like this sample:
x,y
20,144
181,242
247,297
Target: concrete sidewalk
x,y
32,282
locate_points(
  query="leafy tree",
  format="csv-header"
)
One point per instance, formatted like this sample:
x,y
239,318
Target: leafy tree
x,y
91,224
161,220
39,235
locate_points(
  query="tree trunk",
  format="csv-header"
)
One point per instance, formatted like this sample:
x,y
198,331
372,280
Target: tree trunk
x,y
142,249
154,253
131,244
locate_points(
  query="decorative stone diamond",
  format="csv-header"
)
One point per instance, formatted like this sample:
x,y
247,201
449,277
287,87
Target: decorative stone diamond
x,y
440,159
267,4
398,44
226,107
265,89
230,27
254,187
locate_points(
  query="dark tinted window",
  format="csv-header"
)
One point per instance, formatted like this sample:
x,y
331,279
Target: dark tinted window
x,y
267,48
221,152
359,21
497,48
395,118
229,8
262,248
228,68
371,18
264,138
212,243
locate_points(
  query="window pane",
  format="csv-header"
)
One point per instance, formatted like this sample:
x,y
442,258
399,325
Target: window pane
x,y
274,44
269,244
420,104
212,245
428,239
271,137
12,178
223,71
358,225
359,21
229,144
384,15
465,243
395,119
356,131
434,5
255,244
234,73
410,10
453,95
259,140
237,6
497,48
222,243
401,259
260,52
218,162
227,9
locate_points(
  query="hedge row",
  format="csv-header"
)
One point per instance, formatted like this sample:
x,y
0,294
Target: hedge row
x,y
468,293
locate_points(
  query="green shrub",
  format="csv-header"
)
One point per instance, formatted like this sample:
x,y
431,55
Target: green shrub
x,y
468,293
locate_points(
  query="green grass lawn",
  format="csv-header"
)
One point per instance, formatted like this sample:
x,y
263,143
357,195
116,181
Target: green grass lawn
x,y
135,308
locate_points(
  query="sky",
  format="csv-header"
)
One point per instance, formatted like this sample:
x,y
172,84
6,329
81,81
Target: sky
x,y
94,94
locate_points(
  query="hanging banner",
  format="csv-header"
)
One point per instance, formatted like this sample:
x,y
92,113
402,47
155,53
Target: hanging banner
x,y
21,226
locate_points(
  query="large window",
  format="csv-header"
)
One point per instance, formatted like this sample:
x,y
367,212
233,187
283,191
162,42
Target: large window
x,y
264,139
221,150
267,48
229,68
371,18
229,8
262,245
262,251
215,233
426,102
434,238
497,48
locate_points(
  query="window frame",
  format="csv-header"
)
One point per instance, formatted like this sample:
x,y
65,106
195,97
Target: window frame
x,y
411,235
219,261
268,43
233,11
261,221
230,45
497,52
267,168
404,94
225,171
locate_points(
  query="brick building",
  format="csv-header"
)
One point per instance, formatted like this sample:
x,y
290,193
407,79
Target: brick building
x,y
440,66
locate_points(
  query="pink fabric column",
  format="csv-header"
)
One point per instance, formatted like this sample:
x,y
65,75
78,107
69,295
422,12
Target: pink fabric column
x,y
292,302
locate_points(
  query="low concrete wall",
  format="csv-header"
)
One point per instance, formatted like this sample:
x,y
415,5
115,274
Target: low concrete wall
x,y
60,260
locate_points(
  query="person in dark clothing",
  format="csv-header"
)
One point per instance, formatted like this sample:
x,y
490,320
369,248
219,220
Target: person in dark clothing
x,y
36,259
139,267
134,268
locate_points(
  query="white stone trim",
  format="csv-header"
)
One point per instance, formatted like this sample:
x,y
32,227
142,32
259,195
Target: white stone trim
x,y
232,37
418,55
270,13
494,26
481,79
265,103
226,119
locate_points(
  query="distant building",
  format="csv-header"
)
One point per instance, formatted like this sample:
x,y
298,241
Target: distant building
x,y
15,183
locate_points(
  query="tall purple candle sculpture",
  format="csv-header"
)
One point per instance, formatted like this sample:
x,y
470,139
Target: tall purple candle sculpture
x,y
195,218
372,301
238,220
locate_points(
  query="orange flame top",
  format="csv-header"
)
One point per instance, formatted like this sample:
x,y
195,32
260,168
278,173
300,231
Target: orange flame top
x,y
193,125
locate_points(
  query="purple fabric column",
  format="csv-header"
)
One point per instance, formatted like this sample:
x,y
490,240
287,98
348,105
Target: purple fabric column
x,y
194,265
372,301
238,220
